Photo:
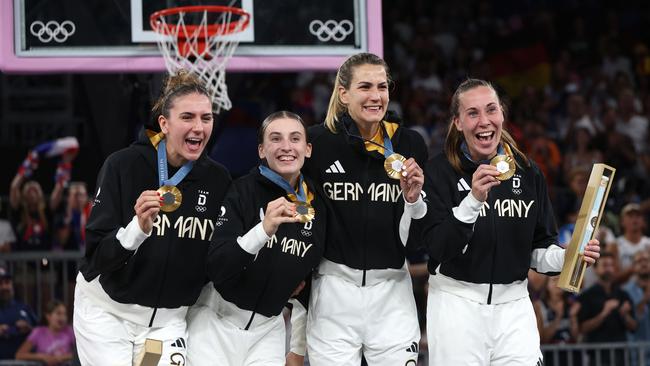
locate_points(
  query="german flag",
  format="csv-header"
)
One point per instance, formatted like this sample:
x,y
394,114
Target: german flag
x,y
516,68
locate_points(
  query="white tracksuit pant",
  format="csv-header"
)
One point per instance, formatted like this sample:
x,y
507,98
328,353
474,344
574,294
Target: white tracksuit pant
x,y
345,320
464,331
104,339
217,335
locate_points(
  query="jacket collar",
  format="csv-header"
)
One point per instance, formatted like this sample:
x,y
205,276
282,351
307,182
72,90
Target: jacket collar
x,y
347,127
148,152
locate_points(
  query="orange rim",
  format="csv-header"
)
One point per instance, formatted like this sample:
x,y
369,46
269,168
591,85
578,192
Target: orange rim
x,y
222,29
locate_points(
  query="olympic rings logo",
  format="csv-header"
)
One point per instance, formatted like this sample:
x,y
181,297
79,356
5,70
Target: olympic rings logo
x,y
200,208
52,30
331,29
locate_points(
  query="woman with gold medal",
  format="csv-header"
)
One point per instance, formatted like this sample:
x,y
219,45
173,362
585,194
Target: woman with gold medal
x,y
269,238
489,221
368,166
148,233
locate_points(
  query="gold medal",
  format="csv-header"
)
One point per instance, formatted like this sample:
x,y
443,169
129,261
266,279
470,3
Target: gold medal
x,y
305,212
171,198
505,164
394,165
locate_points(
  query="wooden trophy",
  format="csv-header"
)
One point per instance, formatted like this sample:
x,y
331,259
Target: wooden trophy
x,y
586,227
151,353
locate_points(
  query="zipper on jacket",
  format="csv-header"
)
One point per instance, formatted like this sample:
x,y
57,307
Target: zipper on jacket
x,y
250,321
365,221
153,316
494,255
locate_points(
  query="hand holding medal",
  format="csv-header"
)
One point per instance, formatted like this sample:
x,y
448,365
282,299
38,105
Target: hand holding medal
x,y
146,208
302,208
411,180
279,211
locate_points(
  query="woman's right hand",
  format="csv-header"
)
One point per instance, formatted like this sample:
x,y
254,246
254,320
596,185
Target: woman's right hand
x,y
146,208
483,179
278,212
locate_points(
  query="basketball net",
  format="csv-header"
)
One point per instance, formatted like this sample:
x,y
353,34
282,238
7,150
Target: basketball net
x,y
202,49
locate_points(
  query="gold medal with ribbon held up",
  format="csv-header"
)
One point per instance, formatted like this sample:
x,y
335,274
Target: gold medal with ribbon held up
x,y
505,164
169,193
304,210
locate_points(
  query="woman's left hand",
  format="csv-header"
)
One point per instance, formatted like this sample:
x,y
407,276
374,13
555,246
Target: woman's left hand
x,y
592,251
411,180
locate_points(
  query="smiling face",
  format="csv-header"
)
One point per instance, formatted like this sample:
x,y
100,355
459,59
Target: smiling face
x,y
480,119
188,127
367,97
284,146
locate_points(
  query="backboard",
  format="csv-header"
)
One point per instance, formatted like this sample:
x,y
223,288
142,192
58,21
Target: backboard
x,y
115,36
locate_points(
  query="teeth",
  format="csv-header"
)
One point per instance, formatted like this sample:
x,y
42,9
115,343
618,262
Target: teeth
x,y
286,158
485,134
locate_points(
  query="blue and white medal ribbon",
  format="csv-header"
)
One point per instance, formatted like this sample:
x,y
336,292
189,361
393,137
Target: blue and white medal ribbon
x,y
304,211
170,194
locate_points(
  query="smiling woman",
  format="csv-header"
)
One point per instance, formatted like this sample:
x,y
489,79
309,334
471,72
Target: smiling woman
x,y
262,254
373,193
142,269
483,240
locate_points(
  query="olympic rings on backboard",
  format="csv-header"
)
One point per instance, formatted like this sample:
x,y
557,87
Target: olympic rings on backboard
x,y
52,30
331,29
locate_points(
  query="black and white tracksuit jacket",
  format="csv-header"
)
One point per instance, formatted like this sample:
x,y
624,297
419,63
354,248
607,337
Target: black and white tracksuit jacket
x,y
248,268
484,250
149,280
367,224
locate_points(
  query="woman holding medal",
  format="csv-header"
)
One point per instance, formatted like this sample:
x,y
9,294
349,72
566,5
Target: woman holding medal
x,y
362,298
148,234
489,221
269,238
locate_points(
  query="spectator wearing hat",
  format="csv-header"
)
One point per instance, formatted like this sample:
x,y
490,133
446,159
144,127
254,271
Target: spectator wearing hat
x,y
16,318
631,241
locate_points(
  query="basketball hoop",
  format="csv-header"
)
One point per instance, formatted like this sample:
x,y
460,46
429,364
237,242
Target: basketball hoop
x,y
203,47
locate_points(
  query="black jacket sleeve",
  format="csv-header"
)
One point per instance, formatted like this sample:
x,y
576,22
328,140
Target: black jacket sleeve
x,y
104,253
444,235
226,258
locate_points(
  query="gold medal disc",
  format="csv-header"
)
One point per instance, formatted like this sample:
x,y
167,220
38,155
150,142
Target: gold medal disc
x,y
505,164
394,165
305,212
171,198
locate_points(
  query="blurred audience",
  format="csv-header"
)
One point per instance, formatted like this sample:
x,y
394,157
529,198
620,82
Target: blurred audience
x,y
16,318
52,344
605,313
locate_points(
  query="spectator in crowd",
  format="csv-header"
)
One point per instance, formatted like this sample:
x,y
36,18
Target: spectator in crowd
x,y
16,318
7,236
631,241
31,215
52,344
71,223
581,152
559,313
630,122
605,313
638,288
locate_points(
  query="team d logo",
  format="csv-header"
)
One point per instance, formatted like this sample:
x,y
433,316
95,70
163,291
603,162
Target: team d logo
x,y
202,200
516,184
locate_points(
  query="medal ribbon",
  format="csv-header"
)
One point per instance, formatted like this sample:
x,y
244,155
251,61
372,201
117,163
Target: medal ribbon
x,y
163,179
387,146
279,181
